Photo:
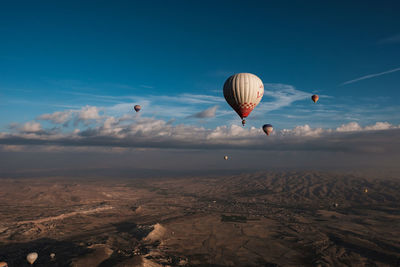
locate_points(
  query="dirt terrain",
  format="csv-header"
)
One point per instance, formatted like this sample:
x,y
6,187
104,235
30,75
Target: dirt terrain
x,y
258,219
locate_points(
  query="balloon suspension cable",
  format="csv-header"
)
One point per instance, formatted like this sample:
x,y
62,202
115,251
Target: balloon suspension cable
x,y
243,122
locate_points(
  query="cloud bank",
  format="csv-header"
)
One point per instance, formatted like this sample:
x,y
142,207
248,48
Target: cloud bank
x,y
87,142
129,131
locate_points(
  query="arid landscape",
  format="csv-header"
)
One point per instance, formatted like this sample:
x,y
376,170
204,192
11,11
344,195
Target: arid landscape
x,y
258,219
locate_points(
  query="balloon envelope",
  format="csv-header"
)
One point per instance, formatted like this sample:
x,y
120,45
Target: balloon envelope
x,y
267,128
137,108
315,98
243,92
31,257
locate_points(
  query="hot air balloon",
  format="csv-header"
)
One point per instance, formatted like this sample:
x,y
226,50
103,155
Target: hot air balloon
x,y
243,92
225,157
52,255
267,128
3,264
315,98
31,257
137,108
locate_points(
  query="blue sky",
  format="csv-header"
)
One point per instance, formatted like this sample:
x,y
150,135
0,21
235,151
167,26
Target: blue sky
x,y
174,56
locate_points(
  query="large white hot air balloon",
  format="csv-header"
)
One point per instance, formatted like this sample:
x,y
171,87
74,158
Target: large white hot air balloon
x,y
243,92
32,257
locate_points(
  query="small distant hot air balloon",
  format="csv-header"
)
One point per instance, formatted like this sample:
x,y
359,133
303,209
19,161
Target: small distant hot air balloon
x,y
243,92
32,257
225,157
267,128
315,98
52,255
137,108
3,264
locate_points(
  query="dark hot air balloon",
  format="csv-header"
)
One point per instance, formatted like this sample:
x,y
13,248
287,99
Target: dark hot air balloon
x,y
267,128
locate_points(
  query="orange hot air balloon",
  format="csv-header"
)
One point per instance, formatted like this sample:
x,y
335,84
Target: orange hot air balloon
x,y
267,128
315,98
137,108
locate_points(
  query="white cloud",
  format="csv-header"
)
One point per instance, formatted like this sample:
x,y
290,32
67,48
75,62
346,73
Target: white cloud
x,y
86,114
208,113
57,117
283,94
31,127
232,132
355,127
305,130
349,127
89,113
380,126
